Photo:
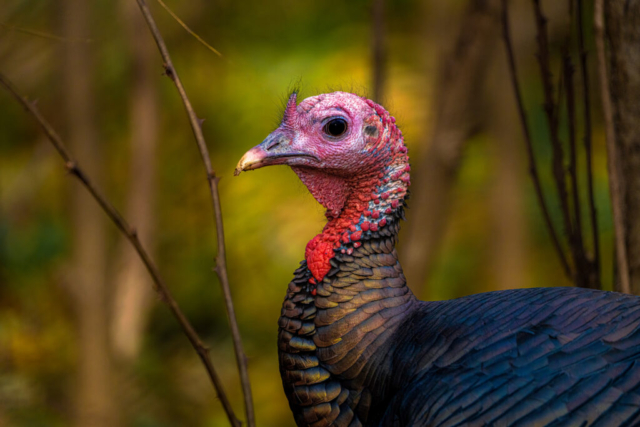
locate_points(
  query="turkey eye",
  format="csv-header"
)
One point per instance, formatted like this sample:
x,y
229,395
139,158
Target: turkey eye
x,y
335,127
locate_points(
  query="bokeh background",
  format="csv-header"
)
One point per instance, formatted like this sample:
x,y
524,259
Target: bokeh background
x,y
83,340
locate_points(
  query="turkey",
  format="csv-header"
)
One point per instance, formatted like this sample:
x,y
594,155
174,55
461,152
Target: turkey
x,y
356,348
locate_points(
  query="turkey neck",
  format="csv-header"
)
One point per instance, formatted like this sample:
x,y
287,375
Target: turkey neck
x,y
336,320
357,207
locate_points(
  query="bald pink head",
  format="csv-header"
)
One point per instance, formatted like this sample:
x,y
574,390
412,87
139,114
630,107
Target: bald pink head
x,y
330,141
339,132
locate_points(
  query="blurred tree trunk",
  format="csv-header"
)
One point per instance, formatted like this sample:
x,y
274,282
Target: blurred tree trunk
x,y
133,289
623,30
133,292
459,88
94,400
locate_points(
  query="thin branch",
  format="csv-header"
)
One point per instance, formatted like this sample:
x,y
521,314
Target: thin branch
x,y
130,232
552,120
568,72
533,170
613,161
584,71
189,30
44,35
561,93
583,269
221,264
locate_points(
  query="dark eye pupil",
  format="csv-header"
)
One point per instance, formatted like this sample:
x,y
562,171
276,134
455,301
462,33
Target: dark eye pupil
x,y
336,127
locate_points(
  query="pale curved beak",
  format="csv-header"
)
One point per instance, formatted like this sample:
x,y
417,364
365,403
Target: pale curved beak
x,y
252,159
275,150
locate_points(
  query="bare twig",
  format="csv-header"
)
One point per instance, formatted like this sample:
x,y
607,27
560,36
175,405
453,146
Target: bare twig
x,y
130,232
221,263
613,161
44,35
187,29
561,93
568,71
584,71
533,170
584,277
552,120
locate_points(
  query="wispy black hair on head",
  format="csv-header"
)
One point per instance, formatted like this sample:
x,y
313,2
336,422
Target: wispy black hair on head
x,y
295,87
352,87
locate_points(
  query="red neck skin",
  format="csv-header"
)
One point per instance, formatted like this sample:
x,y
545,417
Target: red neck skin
x,y
357,205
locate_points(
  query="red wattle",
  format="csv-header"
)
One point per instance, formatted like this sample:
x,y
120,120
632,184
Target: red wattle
x,y
318,253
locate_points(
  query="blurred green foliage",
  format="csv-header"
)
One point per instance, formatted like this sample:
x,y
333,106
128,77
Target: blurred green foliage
x,y
267,47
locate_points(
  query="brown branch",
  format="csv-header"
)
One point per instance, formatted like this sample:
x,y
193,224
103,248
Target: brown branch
x,y
568,72
533,170
188,30
552,120
130,232
212,179
561,92
613,161
584,71
584,278
44,35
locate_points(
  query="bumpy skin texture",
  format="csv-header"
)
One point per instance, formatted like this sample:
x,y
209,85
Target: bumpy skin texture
x,y
356,347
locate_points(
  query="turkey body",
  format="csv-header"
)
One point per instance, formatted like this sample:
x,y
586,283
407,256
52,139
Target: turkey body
x,y
356,348
546,356
376,356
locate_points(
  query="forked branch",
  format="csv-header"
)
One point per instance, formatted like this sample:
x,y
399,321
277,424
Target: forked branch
x,y
613,161
533,170
221,263
584,71
552,112
130,232
582,267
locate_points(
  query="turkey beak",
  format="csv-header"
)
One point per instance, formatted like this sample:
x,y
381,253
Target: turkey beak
x,y
252,159
275,150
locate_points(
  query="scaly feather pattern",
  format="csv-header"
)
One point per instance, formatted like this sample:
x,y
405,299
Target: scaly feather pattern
x,y
533,357
327,342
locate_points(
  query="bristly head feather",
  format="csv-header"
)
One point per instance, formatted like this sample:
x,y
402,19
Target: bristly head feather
x,y
294,88
289,115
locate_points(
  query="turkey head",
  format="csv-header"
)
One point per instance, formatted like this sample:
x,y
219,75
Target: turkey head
x,y
336,143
